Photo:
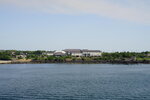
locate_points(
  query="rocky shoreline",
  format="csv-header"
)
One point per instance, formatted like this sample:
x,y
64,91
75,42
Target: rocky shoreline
x,y
95,62
75,62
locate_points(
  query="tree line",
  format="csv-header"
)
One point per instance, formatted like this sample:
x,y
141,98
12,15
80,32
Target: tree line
x,y
106,56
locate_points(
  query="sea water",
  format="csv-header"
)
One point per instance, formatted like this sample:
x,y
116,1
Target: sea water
x,y
74,82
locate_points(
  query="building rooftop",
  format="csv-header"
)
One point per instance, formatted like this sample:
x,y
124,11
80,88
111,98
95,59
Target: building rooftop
x,y
86,50
59,53
72,50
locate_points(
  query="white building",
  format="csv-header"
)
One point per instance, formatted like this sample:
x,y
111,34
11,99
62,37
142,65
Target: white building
x,y
87,52
21,56
59,53
73,52
48,53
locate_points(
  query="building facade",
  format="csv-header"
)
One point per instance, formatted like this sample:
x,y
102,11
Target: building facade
x,y
84,52
48,53
73,52
87,52
59,53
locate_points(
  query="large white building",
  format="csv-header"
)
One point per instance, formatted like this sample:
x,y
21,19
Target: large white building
x,y
87,52
59,53
73,52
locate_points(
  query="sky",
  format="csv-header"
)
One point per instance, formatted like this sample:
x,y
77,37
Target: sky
x,y
106,25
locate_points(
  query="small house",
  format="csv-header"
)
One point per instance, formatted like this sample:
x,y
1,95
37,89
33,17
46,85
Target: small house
x,y
21,56
148,54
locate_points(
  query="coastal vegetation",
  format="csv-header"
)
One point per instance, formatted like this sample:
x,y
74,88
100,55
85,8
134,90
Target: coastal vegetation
x,y
39,56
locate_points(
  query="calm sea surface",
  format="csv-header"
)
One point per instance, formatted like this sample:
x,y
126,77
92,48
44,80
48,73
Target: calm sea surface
x,y
74,82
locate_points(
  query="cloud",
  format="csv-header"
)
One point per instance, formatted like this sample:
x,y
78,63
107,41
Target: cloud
x,y
131,10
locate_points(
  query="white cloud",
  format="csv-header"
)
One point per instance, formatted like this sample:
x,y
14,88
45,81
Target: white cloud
x,y
132,10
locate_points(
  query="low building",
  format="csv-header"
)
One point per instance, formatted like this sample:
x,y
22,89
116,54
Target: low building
x,y
21,56
87,52
148,54
59,53
73,52
48,53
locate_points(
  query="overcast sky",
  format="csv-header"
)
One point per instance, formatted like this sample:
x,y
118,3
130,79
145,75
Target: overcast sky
x,y
107,25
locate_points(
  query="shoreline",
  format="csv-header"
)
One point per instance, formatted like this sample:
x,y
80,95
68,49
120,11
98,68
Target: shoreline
x,y
73,62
